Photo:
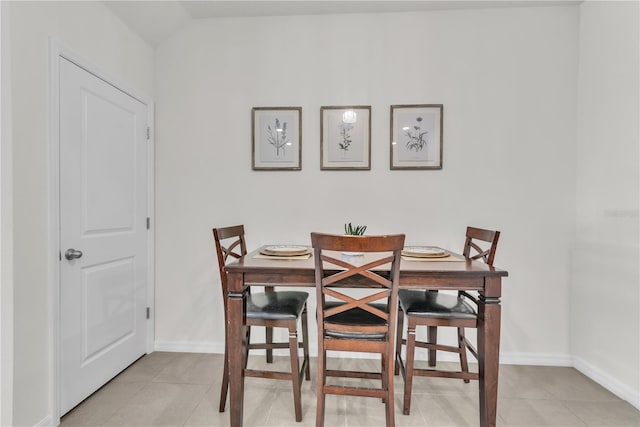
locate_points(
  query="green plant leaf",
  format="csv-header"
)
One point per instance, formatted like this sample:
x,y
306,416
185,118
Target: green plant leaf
x,y
358,230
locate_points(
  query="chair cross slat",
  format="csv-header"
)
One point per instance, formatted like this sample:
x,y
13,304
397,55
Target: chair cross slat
x,y
350,303
353,270
368,266
484,254
338,277
228,251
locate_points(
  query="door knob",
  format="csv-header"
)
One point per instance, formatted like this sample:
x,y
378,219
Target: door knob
x,y
72,254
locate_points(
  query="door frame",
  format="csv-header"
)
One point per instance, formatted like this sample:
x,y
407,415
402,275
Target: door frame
x,y
56,51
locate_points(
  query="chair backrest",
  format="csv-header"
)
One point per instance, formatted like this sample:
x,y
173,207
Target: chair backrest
x,y
334,271
236,248
475,235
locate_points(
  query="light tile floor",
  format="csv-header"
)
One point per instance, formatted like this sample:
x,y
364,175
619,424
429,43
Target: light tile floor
x,y
182,389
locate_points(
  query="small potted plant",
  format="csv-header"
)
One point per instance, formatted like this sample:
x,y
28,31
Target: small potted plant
x,y
358,230
350,230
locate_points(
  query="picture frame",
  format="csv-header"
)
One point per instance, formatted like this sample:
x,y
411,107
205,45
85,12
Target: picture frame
x,y
416,136
276,138
345,137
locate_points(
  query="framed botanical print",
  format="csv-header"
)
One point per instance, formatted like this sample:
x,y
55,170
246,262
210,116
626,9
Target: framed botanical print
x,y
276,138
345,138
416,136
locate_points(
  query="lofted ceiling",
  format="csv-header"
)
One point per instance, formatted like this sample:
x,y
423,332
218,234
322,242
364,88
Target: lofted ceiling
x,y
156,20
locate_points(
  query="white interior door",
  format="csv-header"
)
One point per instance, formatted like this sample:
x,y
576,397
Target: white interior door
x,y
103,226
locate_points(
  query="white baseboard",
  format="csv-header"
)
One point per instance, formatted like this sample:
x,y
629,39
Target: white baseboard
x,y
45,422
533,359
218,348
615,386
189,347
536,359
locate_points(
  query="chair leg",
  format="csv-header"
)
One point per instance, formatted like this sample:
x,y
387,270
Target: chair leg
x,y
246,346
305,344
225,382
408,366
295,368
432,337
383,376
464,366
396,370
387,374
268,335
322,356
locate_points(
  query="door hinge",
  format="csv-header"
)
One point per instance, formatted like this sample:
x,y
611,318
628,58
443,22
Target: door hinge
x,y
148,223
148,133
148,312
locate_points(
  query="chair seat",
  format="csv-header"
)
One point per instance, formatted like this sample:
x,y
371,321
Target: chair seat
x,y
435,304
276,305
355,316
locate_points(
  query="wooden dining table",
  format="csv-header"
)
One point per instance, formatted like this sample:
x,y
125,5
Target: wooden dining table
x,y
256,270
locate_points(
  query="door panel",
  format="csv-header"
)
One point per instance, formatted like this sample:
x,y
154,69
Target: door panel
x,y
103,211
108,317
110,166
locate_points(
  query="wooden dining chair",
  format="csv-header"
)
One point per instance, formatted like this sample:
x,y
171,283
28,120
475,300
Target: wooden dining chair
x,y
271,309
436,309
360,321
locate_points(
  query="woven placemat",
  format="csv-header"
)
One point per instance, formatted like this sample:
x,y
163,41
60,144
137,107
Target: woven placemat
x,y
433,259
261,256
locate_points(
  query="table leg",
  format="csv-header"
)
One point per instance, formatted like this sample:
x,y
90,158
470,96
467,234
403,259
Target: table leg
x,y
489,350
235,333
268,332
432,337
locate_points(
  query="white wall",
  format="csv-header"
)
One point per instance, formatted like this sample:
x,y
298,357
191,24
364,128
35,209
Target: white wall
x,y
6,229
507,79
90,30
605,289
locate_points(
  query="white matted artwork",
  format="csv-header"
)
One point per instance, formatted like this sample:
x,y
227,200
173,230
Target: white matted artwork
x,y
416,136
345,138
276,138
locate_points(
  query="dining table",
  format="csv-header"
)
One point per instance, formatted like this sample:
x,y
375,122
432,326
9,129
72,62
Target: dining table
x,y
256,269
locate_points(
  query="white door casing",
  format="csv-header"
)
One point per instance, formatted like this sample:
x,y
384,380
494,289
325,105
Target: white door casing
x,y
103,203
